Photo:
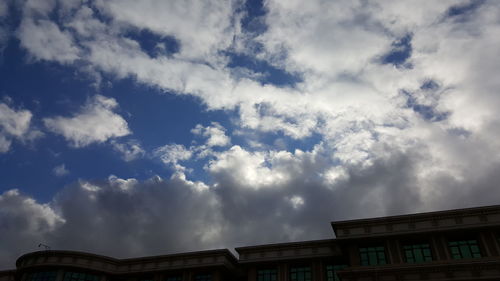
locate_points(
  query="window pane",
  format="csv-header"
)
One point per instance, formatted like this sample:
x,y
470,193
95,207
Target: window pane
x,y
464,249
300,274
78,276
331,272
418,253
372,255
203,277
42,276
267,275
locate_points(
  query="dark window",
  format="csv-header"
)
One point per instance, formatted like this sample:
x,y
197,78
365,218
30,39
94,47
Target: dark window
x,y
464,249
267,275
42,276
372,255
300,273
173,278
331,272
78,276
203,277
417,253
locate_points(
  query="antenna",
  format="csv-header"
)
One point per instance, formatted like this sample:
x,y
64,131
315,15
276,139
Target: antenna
x,y
44,246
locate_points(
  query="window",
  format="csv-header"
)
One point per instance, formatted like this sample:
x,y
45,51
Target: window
x,y
203,277
267,275
417,253
464,249
300,273
42,276
76,276
173,278
372,255
331,272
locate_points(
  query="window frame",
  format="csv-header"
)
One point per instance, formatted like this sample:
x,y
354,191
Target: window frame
x,y
308,275
267,271
366,250
87,275
414,246
46,275
334,268
204,274
458,248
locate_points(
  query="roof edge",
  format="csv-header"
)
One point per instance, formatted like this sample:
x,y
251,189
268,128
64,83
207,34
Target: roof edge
x,y
414,216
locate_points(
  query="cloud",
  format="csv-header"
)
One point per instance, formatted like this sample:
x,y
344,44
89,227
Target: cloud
x,y
130,150
379,136
172,154
130,217
45,41
87,205
60,170
215,134
15,125
247,168
95,123
4,144
24,224
202,27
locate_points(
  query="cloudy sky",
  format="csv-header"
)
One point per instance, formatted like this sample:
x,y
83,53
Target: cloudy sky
x,y
132,128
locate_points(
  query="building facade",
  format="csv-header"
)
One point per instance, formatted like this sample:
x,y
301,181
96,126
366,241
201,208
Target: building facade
x,y
461,244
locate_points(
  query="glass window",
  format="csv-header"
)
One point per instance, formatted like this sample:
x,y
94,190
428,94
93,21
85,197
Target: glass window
x,y
78,276
300,273
42,276
331,272
173,278
267,275
417,253
203,277
372,255
464,249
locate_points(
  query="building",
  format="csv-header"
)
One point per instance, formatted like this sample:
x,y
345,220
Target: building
x,y
461,244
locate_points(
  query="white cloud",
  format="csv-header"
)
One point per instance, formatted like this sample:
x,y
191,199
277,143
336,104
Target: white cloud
x,y
346,96
4,144
95,123
60,170
130,150
296,201
215,134
249,169
45,41
202,27
15,125
172,154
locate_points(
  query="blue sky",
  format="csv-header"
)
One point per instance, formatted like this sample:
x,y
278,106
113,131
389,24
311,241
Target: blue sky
x,y
173,126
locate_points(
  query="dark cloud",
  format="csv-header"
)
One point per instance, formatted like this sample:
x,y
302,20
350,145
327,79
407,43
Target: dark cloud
x,y
125,218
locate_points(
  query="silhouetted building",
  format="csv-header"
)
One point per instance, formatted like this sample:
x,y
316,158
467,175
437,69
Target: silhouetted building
x,y
459,244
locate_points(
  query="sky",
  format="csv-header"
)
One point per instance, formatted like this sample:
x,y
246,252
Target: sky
x,y
133,128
